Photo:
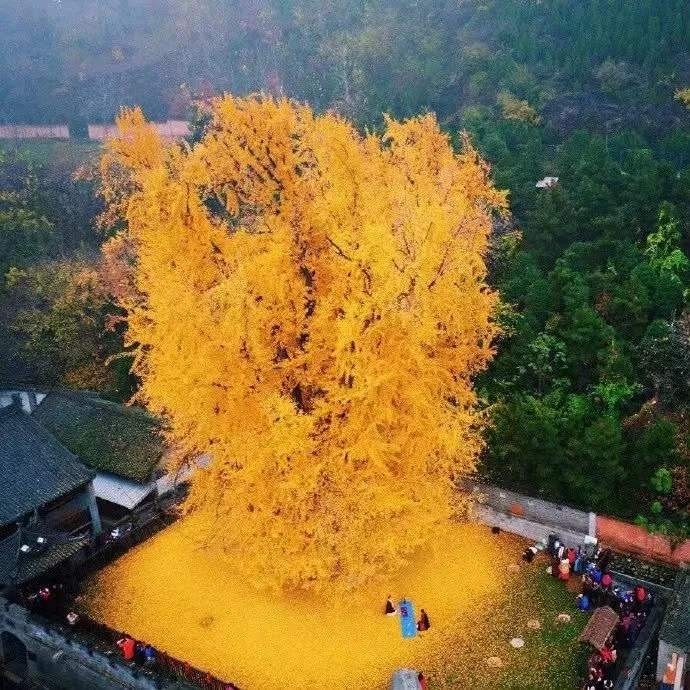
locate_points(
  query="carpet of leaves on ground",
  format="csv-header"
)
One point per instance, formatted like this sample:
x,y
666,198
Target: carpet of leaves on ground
x,y
478,593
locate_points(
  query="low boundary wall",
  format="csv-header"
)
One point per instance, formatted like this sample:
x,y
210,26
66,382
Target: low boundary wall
x,y
168,129
636,540
52,659
34,132
534,518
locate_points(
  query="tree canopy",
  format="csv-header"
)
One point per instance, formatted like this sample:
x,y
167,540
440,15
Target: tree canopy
x,y
310,310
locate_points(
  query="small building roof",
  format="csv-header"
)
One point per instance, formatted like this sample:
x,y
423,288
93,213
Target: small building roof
x,y
404,679
547,182
34,467
104,435
675,629
599,627
123,492
17,567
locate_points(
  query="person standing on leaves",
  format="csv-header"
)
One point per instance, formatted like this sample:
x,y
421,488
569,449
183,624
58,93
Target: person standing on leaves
x,y
421,681
529,554
423,622
389,609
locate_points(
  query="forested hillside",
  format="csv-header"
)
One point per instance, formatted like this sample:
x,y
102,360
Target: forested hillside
x,y
595,61
588,394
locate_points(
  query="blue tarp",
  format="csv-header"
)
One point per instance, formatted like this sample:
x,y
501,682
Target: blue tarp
x,y
408,623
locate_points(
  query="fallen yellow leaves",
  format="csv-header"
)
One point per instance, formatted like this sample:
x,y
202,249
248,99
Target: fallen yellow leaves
x,y
186,601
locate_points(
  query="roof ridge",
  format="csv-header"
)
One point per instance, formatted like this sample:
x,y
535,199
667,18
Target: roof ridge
x,y
94,400
39,466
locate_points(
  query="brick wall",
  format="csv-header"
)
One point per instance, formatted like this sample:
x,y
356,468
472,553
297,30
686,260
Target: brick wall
x,y
623,536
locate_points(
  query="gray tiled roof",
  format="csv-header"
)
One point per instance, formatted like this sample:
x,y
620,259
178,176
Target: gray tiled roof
x,y
17,568
106,436
35,468
676,626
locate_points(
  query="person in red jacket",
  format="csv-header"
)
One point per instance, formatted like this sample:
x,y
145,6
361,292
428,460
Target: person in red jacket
x,y
128,647
421,680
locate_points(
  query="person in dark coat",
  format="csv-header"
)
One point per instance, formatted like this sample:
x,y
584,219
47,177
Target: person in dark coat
x,y
389,608
423,622
139,657
604,559
529,554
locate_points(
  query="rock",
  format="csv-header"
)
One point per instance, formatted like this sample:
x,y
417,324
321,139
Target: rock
x,y
533,624
563,618
517,643
494,662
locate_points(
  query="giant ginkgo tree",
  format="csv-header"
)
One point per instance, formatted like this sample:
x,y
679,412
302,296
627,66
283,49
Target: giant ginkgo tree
x,y
308,306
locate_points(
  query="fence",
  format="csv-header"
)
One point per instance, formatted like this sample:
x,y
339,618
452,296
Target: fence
x,y
103,638
135,531
98,642
165,664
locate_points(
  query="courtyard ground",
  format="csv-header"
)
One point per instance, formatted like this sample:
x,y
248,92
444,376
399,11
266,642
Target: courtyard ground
x,y
473,584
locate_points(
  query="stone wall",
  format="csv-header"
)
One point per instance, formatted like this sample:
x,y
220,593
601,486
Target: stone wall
x,y
168,129
531,517
34,132
40,655
534,509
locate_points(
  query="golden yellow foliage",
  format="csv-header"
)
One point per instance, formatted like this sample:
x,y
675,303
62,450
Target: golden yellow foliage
x,y
309,308
513,108
683,95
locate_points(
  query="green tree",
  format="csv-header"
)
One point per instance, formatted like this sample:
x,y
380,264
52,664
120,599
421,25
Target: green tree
x,y
69,328
595,463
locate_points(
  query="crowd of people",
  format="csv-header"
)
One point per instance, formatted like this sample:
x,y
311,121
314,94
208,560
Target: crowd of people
x,y
51,600
631,605
140,653
598,588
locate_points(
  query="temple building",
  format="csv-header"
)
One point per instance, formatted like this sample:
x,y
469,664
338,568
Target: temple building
x,y
48,510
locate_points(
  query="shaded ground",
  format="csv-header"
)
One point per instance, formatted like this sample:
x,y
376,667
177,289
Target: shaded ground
x,y
189,603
